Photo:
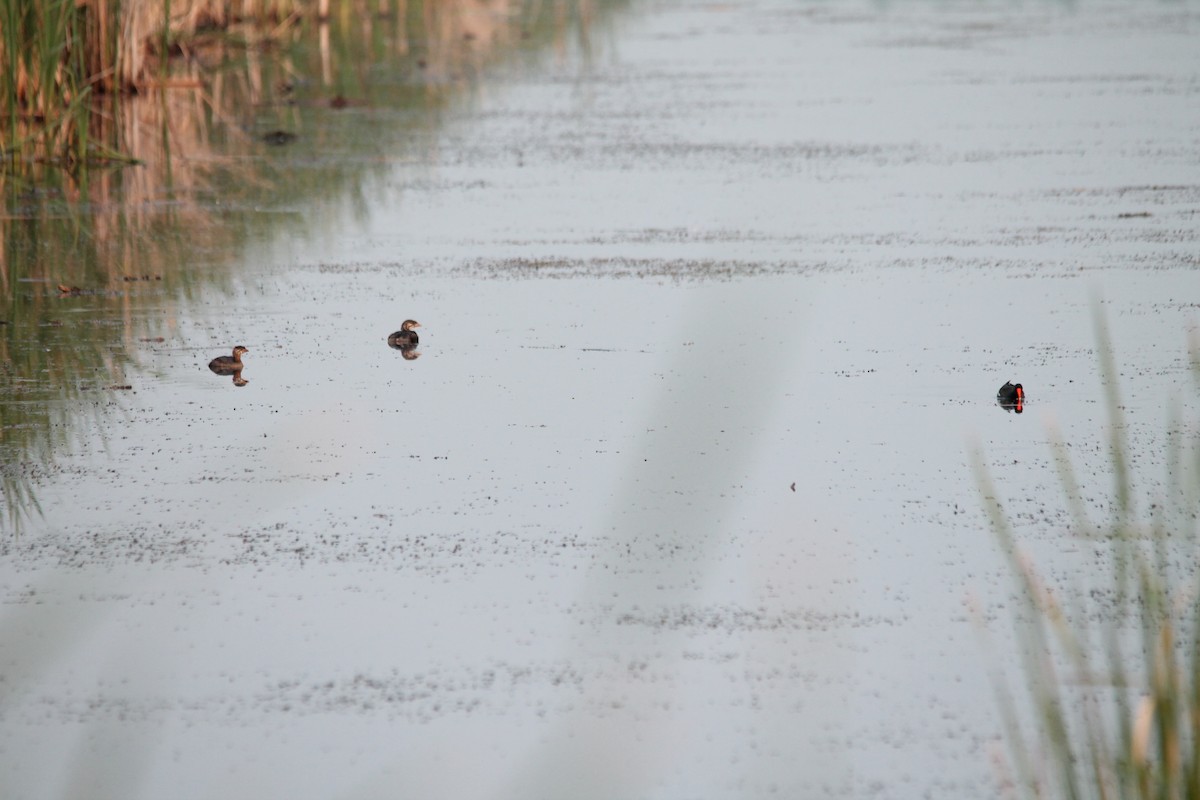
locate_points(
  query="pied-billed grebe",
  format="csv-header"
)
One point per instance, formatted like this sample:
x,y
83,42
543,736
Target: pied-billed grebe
x,y
228,363
1011,394
406,334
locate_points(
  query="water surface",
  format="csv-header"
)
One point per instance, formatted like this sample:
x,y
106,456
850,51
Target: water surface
x,y
677,499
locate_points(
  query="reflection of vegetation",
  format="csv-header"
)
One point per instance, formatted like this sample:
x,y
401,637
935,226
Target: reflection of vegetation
x,y
1127,721
179,216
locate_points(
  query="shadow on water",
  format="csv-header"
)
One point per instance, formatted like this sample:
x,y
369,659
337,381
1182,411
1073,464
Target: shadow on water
x,y
98,265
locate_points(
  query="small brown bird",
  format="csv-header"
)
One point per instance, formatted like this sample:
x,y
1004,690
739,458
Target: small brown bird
x,y
226,364
406,335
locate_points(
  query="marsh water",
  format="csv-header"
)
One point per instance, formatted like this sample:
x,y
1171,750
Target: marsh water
x,y
675,497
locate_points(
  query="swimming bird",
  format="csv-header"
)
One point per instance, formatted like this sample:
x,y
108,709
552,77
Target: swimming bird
x,y
227,364
406,334
1011,394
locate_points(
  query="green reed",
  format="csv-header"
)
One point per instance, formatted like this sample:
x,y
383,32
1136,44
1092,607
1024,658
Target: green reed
x,y
57,57
1114,704
46,83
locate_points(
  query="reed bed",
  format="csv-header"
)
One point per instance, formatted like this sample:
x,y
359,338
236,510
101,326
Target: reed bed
x,y
1111,675
61,58
65,64
42,80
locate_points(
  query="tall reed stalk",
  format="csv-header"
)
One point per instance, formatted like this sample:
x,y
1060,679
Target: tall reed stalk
x,y
1112,678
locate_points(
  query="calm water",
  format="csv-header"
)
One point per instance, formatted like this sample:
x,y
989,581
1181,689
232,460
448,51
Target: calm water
x,y
677,499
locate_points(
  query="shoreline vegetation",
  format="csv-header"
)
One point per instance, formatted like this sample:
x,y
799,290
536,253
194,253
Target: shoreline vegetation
x,y
66,64
67,67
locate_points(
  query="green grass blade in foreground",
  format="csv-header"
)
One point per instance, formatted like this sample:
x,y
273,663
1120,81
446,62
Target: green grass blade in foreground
x,y
1118,444
1042,679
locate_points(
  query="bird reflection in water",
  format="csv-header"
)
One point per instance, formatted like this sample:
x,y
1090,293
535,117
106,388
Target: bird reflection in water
x,y
230,365
405,340
1011,397
238,380
409,351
